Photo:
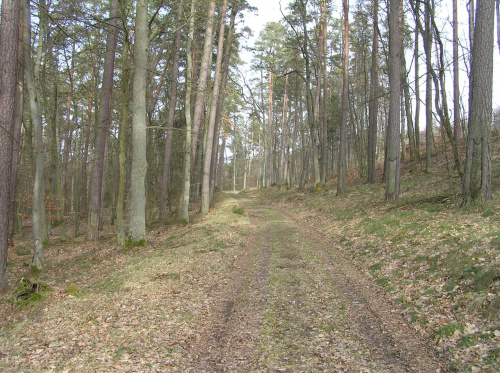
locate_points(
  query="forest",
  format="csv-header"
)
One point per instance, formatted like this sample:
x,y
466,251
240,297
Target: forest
x,y
134,116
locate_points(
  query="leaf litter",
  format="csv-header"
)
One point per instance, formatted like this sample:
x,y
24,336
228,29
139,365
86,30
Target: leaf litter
x,y
286,286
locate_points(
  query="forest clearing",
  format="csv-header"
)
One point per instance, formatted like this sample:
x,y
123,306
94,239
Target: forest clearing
x,y
274,280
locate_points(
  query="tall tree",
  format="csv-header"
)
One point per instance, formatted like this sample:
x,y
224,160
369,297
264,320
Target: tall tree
x,y
167,157
207,161
270,163
139,125
282,160
477,172
456,88
183,211
38,216
417,84
9,36
342,165
103,125
122,131
393,157
18,121
429,136
324,85
373,106
199,106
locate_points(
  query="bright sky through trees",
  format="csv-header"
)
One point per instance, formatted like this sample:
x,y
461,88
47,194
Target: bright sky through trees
x,y
269,11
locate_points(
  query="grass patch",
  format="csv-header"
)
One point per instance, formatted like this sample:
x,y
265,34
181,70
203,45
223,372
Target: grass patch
x,y
130,243
383,281
449,330
238,210
28,292
72,289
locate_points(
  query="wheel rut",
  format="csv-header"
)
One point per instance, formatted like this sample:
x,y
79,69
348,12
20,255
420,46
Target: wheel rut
x,y
294,303
392,342
230,344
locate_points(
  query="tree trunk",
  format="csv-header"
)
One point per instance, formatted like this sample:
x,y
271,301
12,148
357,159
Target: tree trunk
x,y
393,160
269,173
89,126
122,139
207,161
429,136
324,101
417,86
18,121
183,211
341,176
477,173
456,81
225,73
373,109
407,106
103,125
281,168
36,117
9,39
167,157
202,81
139,126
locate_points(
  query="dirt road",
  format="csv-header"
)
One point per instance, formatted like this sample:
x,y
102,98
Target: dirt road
x,y
252,292
293,303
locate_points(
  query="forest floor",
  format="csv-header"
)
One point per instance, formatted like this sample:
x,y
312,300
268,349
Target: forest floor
x,y
273,281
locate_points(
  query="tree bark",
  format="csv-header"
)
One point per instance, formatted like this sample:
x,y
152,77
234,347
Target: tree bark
x,y
122,137
202,81
393,157
18,121
38,260
477,173
225,73
342,172
373,106
167,157
457,131
429,136
183,211
139,126
269,173
9,38
207,161
324,101
281,168
103,125
407,106
417,85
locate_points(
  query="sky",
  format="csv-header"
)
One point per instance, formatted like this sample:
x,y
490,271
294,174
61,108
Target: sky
x,y
269,11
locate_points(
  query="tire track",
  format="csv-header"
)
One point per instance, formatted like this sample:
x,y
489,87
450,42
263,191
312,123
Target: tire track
x,y
230,343
393,343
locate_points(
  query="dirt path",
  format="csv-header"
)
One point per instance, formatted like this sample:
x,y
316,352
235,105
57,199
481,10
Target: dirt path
x,y
293,304
259,292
